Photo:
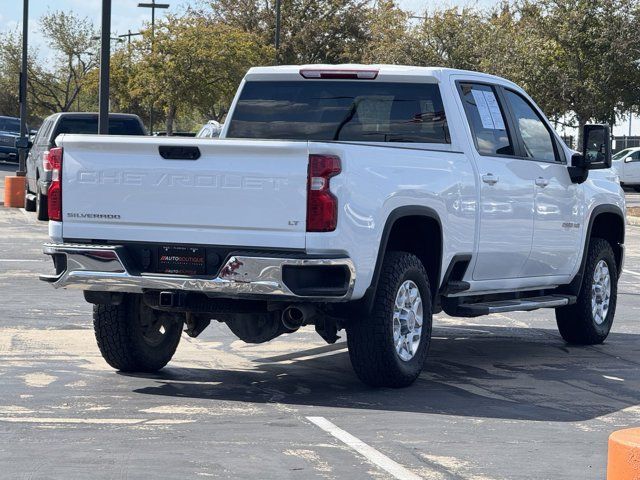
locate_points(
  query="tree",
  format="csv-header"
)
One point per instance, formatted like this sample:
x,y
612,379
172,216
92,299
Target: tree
x,y
450,38
76,52
53,86
196,64
390,39
590,49
312,31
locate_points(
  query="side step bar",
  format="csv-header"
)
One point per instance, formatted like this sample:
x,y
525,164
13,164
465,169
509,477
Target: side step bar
x,y
517,305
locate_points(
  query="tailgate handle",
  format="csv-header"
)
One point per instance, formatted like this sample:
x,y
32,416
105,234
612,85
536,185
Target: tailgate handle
x,y
169,152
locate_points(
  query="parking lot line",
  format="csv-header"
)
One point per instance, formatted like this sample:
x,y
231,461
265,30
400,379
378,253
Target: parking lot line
x,y
631,272
367,451
19,260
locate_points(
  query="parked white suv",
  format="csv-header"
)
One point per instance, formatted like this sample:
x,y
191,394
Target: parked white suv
x,y
364,198
626,163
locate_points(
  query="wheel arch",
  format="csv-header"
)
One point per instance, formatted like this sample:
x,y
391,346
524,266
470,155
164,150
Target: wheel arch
x,y
428,223
606,222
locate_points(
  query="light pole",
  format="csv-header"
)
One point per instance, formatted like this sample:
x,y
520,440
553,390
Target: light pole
x,y
105,57
128,36
153,5
23,142
113,39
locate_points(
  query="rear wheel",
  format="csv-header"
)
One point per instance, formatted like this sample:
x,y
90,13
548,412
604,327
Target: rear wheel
x,y
29,199
42,206
589,320
133,337
389,348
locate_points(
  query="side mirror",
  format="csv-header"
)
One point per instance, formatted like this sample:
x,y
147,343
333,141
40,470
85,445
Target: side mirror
x,y
596,147
22,142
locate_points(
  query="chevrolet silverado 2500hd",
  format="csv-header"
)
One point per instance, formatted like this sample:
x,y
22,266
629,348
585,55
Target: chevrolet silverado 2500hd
x,y
363,198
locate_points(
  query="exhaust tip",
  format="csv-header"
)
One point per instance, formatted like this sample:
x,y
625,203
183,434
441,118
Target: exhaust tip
x,y
293,318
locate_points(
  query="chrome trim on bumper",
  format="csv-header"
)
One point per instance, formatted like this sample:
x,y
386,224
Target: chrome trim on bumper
x,y
100,268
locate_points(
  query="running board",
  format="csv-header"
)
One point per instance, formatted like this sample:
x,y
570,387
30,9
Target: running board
x,y
517,305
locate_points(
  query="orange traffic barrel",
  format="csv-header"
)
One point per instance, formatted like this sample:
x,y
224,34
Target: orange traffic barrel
x,y
624,455
14,191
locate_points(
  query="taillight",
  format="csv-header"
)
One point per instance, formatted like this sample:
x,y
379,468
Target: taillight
x,y
338,74
322,205
46,164
54,195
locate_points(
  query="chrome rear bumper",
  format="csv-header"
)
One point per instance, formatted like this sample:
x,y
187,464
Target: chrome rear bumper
x,y
101,268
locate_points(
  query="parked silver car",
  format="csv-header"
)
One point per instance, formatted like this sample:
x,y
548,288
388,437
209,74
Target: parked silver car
x,y
211,129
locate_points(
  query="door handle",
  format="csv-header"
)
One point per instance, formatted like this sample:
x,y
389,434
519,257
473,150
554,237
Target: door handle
x,y
542,182
490,178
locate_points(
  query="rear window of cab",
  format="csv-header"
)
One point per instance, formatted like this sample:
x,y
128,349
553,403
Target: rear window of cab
x,y
325,110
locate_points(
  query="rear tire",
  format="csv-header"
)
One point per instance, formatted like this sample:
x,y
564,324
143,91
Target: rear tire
x,y
134,338
382,348
42,206
29,203
589,320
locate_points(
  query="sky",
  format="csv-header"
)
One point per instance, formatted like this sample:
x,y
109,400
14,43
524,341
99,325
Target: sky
x,y
125,15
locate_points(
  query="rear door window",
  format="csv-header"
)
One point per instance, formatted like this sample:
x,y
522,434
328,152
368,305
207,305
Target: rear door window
x,y
324,110
487,119
46,139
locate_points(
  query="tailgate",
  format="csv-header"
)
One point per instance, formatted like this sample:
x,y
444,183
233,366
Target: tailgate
x,y
238,193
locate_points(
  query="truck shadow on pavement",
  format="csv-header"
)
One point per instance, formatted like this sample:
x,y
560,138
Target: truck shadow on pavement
x,y
492,372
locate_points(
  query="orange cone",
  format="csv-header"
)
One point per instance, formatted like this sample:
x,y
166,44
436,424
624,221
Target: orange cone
x,y
14,191
624,455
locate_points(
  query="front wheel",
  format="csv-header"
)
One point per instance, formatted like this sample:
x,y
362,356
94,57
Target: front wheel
x,y
589,320
133,337
389,348
29,201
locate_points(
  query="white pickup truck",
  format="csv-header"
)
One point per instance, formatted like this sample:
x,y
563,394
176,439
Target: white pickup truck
x,y
355,197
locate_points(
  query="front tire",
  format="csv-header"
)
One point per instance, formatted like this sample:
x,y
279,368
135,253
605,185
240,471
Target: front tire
x,y
589,320
134,338
42,206
389,348
29,203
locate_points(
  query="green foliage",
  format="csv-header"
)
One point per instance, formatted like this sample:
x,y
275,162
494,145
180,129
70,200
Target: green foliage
x,y
195,64
312,31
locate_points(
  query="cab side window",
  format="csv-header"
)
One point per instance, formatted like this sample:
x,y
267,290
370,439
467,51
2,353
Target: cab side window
x,y
536,138
634,157
486,119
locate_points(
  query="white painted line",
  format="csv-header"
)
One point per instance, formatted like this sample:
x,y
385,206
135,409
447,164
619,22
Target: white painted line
x,y
18,260
631,272
368,452
96,421
90,421
617,379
